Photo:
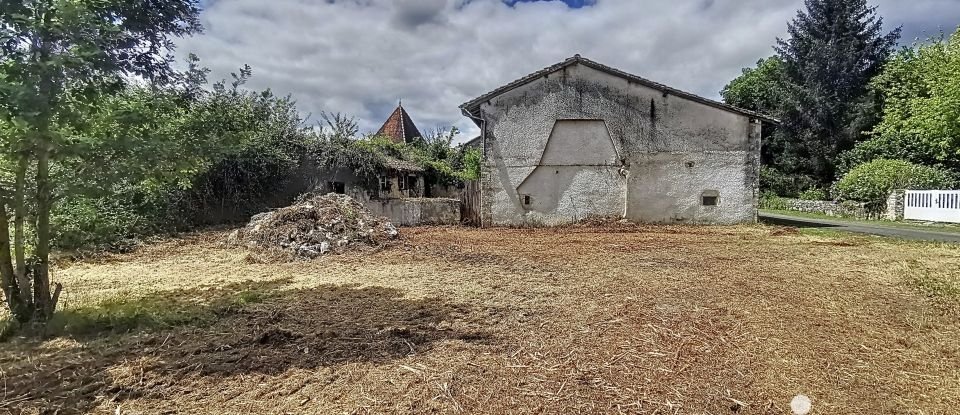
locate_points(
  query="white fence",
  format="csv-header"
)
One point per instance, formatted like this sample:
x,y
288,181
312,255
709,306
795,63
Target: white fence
x,y
932,205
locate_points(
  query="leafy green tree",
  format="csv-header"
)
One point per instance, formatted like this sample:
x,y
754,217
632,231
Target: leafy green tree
x,y
263,146
472,160
757,89
834,49
60,58
338,128
224,153
760,89
920,91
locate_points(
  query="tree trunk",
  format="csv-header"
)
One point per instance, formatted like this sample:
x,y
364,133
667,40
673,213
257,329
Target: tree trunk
x,y
44,301
20,213
18,307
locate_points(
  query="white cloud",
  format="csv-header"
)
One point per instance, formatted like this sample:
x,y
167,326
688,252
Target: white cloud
x,y
360,56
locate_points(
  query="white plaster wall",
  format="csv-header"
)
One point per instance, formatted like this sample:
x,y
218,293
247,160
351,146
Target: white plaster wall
x,y
654,135
562,194
664,188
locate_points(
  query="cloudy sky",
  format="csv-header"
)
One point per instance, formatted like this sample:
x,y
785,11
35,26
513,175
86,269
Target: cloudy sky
x,y
359,57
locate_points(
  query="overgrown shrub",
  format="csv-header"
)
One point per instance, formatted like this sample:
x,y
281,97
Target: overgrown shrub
x,y
115,222
472,159
365,158
175,161
813,193
227,153
442,163
770,200
782,184
872,182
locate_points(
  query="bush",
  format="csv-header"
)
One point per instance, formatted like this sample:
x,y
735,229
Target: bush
x,y
770,200
782,184
872,182
114,222
472,161
234,153
813,193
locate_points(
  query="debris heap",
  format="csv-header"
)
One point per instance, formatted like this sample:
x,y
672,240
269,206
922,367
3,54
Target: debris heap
x,y
315,225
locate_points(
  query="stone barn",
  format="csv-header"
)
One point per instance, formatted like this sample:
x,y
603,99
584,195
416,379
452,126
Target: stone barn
x,y
581,140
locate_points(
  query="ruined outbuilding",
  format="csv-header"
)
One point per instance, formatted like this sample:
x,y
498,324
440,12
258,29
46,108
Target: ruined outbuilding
x,y
403,192
581,140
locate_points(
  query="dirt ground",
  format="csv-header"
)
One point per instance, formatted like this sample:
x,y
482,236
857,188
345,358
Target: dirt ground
x,y
652,320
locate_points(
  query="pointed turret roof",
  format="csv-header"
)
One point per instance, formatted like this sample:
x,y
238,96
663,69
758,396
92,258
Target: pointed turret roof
x,y
399,127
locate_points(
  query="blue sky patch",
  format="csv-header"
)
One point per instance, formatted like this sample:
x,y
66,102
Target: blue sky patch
x,y
573,4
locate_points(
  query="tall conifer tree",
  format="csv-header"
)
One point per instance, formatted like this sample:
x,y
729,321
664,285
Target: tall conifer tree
x,y
834,49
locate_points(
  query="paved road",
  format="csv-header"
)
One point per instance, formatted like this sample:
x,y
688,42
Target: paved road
x,y
871,229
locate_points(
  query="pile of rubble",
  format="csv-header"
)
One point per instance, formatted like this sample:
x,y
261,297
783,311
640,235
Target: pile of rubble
x,y
315,225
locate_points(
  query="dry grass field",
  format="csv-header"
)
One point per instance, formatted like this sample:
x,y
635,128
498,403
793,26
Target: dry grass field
x,y
651,320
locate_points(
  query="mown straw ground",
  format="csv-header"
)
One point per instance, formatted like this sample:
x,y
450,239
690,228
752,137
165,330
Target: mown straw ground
x,y
652,320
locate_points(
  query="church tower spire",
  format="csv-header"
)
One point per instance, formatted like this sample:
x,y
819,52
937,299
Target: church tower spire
x,y
399,127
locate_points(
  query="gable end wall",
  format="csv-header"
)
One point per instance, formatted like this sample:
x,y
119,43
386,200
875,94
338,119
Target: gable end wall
x,y
672,151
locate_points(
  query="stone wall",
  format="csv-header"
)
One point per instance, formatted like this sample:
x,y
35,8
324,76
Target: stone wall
x,y
895,204
413,212
823,207
892,210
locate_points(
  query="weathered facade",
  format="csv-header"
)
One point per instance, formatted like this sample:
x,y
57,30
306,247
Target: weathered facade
x,y
580,140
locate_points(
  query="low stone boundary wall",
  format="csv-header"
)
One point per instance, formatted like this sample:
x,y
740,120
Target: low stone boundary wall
x,y
827,207
418,211
891,210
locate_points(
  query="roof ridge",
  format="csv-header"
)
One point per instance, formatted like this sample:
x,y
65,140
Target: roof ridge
x,y
613,71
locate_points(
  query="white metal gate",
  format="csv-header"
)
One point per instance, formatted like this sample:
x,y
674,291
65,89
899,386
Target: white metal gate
x,y
932,205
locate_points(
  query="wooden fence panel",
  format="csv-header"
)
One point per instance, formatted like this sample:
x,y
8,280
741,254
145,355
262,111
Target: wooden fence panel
x,y
470,203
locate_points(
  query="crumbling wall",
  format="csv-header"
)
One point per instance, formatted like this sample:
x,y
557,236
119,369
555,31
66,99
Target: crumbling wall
x,y
670,153
417,211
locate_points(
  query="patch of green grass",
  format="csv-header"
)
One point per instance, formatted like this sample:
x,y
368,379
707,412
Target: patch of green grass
x,y
159,310
847,237
935,284
827,233
932,227
940,284
122,315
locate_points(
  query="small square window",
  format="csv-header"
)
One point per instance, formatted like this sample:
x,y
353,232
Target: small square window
x,y
526,200
710,198
385,183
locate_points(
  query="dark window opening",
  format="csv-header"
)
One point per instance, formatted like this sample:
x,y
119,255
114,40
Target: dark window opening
x,y
526,200
402,184
336,187
710,198
385,183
